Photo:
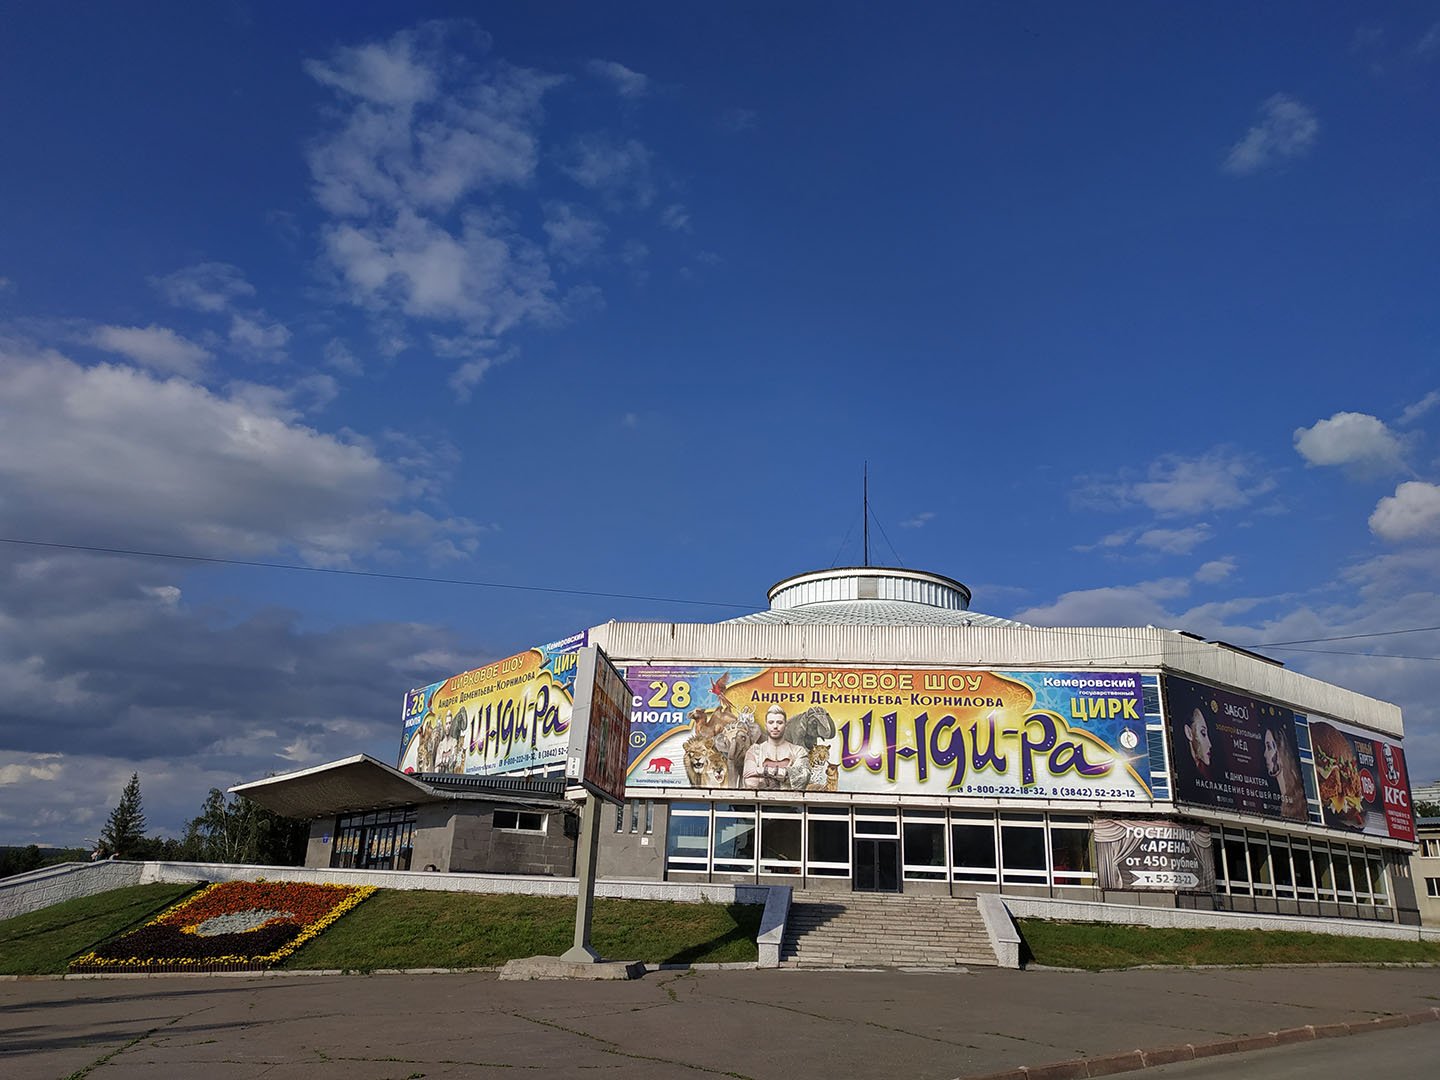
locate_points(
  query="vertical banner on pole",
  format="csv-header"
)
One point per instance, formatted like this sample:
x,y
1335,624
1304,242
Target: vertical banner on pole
x,y
594,770
599,728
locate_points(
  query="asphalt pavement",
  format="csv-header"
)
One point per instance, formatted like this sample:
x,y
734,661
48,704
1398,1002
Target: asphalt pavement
x,y
762,1025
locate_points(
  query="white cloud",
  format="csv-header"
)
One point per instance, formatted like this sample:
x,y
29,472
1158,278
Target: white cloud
x,y
401,72
919,521
39,767
110,453
1175,486
1141,604
484,276
210,287
1348,438
618,170
572,236
339,357
422,128
1287,129
1175,541
1429,43
1412,513
468,375
630,420
156,347
1416,410
1111,540
254,336
675,217
1214,571
627,83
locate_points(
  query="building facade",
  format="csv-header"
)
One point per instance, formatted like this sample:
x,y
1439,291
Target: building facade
x,y
869,731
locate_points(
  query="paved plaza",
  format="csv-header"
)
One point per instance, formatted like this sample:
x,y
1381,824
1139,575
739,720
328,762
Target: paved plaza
x,y
765,1025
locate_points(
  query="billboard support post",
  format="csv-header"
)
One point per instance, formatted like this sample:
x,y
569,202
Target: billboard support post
x,y
595,771
581,952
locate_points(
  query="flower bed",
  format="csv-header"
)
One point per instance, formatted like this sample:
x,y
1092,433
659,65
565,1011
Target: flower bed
x,y
231,926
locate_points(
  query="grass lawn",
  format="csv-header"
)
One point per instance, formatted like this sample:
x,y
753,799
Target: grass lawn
x,y
43,942
1098,946
402,929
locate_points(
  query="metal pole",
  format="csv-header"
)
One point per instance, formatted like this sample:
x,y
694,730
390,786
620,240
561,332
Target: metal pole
x,y
581,952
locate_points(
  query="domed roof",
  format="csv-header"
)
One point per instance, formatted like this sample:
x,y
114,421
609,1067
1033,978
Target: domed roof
x,y
871,596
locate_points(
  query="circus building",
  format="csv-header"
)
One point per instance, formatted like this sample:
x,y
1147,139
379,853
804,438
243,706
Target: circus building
x,y
870,732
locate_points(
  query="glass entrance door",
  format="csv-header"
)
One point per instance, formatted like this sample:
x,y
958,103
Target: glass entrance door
x,y
877,865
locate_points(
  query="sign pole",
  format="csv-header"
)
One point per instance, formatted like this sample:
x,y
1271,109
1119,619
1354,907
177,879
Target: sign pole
x,y
581,952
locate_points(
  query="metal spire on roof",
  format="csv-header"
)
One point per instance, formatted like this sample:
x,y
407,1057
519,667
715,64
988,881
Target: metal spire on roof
x,y
865,507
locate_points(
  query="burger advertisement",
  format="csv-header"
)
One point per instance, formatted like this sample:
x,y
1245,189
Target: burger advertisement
x,y
1362,781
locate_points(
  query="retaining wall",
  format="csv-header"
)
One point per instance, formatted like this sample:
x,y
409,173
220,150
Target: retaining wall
x,y
24,893
30,892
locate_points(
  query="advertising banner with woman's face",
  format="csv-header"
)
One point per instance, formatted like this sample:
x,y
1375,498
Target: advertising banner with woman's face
x,y
1233,752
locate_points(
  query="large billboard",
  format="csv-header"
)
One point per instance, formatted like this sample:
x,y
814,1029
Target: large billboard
x,y
1233,752
1364,786
508,716
600,727
1154,853
932,731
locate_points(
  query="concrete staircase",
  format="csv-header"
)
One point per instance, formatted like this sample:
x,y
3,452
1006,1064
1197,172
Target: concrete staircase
x,y
884,929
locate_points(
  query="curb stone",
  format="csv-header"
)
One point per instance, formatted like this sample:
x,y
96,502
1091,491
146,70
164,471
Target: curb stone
x,y
281,973
1133,1060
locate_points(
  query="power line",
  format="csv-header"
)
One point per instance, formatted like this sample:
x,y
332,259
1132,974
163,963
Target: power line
x,y
1374,655
1345,637
468,582
473,583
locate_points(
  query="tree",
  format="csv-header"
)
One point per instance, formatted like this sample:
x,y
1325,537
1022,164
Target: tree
x,y
16,860
124,830
236,830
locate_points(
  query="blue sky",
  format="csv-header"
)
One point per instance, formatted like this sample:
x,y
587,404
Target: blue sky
x,y
1130,308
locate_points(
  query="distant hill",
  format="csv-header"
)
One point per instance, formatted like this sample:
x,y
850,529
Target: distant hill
x,y
20,860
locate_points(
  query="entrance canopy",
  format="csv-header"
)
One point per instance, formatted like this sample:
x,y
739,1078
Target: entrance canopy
x,y
354,783
365,783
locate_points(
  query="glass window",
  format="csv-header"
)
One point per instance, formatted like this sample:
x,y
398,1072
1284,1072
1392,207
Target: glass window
x,y
779,843
1430,849
380,840
1237,867
1432,886
1259,865
924,850
519,821
620,817
1360,874
974,851
688,844
1377,880
649,816
734,843
1340,863
1304,875
1280,865
1324,871
1070,855
1022,853
869,822
829,838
